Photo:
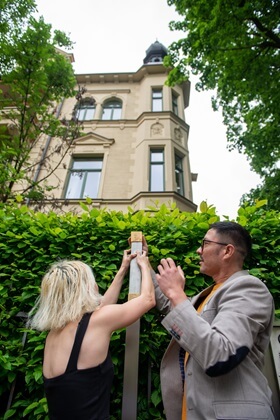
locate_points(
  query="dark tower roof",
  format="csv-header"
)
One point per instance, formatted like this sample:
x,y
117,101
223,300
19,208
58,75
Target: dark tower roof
x,y
155,53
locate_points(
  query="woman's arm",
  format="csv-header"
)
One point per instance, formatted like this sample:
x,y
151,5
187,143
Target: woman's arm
x,y
163,304
147,287
112,294
114,317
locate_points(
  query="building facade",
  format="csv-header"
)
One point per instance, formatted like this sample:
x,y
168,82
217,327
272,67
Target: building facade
x,y
134,148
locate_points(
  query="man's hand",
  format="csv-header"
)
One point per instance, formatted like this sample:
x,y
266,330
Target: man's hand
x,y
144,245
171,281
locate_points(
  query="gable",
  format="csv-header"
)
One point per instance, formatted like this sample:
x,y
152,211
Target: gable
x,y
93,139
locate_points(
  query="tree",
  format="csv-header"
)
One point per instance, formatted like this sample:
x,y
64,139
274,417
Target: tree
x,y
234,47
269,188
36,76
14,17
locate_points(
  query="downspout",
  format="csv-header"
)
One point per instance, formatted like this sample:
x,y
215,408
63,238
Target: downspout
x,y
44,154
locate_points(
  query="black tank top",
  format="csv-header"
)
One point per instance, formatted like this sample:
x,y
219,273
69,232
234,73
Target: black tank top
x,y
80,394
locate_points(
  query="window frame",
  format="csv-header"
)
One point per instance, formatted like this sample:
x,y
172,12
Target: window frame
x,y
155,164
112,109
175,107
157,100
84,179
179,173
86,105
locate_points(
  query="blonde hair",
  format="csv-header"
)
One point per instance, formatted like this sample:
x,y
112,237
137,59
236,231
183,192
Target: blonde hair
x,y
68,290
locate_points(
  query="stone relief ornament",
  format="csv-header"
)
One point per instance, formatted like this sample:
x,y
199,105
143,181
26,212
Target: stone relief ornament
x,y
157,129
178,134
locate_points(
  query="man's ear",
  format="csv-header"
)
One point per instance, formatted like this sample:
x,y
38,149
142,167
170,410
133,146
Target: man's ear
x,y
230,250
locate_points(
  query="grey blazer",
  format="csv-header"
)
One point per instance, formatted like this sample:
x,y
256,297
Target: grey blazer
x,y
226,343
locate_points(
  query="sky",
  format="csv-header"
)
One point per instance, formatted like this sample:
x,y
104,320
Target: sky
x,y
113,36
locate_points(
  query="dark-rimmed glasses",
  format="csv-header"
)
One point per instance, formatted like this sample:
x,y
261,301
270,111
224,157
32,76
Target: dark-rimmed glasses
x,y
208,241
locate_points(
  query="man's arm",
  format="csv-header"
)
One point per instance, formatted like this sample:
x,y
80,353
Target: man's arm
x,y
220,337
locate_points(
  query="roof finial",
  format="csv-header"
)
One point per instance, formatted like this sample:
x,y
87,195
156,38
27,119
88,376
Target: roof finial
x,y
155,53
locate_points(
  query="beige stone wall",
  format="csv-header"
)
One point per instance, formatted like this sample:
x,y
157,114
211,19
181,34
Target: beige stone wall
x,y
125,143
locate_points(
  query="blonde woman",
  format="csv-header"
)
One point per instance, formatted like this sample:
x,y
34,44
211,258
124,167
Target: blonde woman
x,y
77,368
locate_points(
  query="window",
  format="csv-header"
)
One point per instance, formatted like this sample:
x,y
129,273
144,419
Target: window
x,y
179,174
85,110
84,178
156,100
175,103
156,170
112,110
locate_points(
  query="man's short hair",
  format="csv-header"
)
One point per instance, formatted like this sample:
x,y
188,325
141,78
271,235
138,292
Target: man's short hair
x,y
236,234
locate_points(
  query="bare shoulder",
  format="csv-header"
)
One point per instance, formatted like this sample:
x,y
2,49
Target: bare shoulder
x,y
103,313
115,316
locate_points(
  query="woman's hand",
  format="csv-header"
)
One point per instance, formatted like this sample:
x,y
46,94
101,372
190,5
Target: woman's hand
x,y
142,260
112,294
144,244
127,257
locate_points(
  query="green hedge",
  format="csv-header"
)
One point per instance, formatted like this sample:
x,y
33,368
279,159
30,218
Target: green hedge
x,y
31,241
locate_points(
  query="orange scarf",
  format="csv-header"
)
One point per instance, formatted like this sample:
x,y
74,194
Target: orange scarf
x,y
199,310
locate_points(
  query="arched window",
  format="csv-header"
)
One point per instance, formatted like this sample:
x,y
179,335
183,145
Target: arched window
x,y
85,109
112,109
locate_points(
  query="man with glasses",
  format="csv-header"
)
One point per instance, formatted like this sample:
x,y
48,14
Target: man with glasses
x,y
212,368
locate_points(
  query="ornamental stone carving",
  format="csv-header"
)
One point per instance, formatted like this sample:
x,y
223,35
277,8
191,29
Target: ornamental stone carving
x,y
178,134
156,130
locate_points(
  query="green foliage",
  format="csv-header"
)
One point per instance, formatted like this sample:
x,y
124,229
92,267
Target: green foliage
x,y
30,242
14,17
35,77
229,44
269,188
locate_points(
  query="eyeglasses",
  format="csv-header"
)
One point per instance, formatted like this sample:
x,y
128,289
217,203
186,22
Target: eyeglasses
x,y
208,241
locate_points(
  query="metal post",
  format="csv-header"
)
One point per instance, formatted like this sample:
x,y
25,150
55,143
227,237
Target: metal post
x,y
131,359
21,315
